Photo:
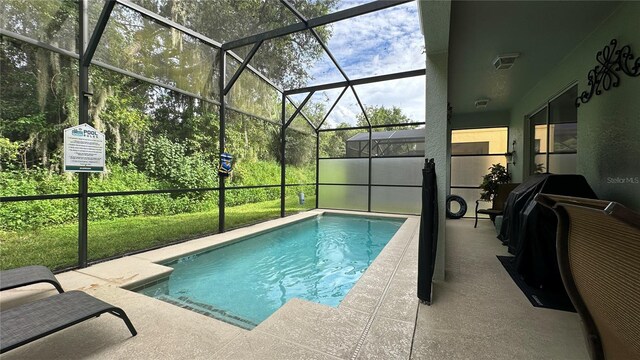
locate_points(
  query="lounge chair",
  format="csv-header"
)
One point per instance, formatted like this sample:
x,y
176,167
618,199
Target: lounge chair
x,y
28,275
598,245
32,321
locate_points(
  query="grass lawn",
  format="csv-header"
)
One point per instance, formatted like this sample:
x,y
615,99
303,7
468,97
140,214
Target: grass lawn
x,y
57,247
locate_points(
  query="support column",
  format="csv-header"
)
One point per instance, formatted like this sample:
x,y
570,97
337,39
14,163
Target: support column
x,y
83,112
223,112
436,143
87,48
317,166
283,139
436,17
369,175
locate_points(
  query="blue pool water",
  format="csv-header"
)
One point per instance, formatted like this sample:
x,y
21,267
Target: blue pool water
x,y
318,259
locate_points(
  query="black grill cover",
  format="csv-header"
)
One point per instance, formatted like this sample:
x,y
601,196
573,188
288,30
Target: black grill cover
x,y
530,229
535,257
428,241
516,202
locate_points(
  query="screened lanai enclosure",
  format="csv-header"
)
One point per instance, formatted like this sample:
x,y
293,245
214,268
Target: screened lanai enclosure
x,y
320,103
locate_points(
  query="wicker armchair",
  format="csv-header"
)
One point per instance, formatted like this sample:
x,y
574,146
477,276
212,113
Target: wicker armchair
x,y
598,246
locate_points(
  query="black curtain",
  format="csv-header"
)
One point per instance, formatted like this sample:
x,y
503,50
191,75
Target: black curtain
x,y
428,241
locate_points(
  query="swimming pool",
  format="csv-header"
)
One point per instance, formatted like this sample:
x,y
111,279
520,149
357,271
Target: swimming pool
x,y
317,259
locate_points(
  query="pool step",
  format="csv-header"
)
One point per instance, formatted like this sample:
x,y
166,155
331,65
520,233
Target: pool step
x,y
208,310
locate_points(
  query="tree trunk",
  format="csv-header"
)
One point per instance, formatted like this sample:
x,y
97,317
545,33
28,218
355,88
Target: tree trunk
x,y
24,161
177,15
44,151
99,103
42,76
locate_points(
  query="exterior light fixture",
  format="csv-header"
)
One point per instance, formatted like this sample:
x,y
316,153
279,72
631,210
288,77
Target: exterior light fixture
x,y
511,155
505,61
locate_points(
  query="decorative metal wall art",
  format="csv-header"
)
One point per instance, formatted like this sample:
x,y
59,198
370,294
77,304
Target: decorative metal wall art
x,y
606,75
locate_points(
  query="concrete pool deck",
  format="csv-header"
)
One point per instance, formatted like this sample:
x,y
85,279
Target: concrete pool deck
x,y
375,320
478,312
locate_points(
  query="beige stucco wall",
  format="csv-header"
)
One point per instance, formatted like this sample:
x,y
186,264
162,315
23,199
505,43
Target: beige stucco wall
x,y
497,138
608,125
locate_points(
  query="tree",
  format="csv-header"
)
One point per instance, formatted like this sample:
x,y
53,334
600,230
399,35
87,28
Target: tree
x,y
38,100
284,60
52,22
43,76
40,88
380,115
334,143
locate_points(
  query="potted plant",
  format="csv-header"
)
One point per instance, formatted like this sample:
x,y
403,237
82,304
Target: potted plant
x,y
498,174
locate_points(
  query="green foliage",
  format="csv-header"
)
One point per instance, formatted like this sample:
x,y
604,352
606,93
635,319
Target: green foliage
x,y
8,152
251,139
155,138
498,174
254,173
169,162
38,92
41,213
247,173
35,181
57,246
127,178
284,60
380,115
333,143
40,87
264,173
37,214
299,148
43,20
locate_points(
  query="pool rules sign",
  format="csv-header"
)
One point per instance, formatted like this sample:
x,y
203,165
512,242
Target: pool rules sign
x,y
83,149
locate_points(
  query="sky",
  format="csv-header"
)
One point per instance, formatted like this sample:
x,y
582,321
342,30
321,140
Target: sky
x,y
378,43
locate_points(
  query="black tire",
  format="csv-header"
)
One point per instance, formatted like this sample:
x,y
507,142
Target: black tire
x,y
463,207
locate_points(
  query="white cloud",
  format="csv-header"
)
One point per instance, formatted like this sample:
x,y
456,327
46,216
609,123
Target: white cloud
x,y
381,42
346,4
346,111
408,94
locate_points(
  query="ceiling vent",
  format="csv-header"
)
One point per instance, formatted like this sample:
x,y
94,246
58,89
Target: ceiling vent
x,y
504,62
482,103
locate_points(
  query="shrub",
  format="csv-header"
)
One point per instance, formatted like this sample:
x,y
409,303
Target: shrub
x,y
35,182
169,162
265,173
24,215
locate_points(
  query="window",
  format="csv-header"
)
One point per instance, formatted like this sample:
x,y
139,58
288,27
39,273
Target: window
x,y
473,151
554,135
469,148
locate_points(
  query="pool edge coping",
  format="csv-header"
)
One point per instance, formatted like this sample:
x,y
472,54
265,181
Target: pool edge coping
x,y
213,242
154,270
